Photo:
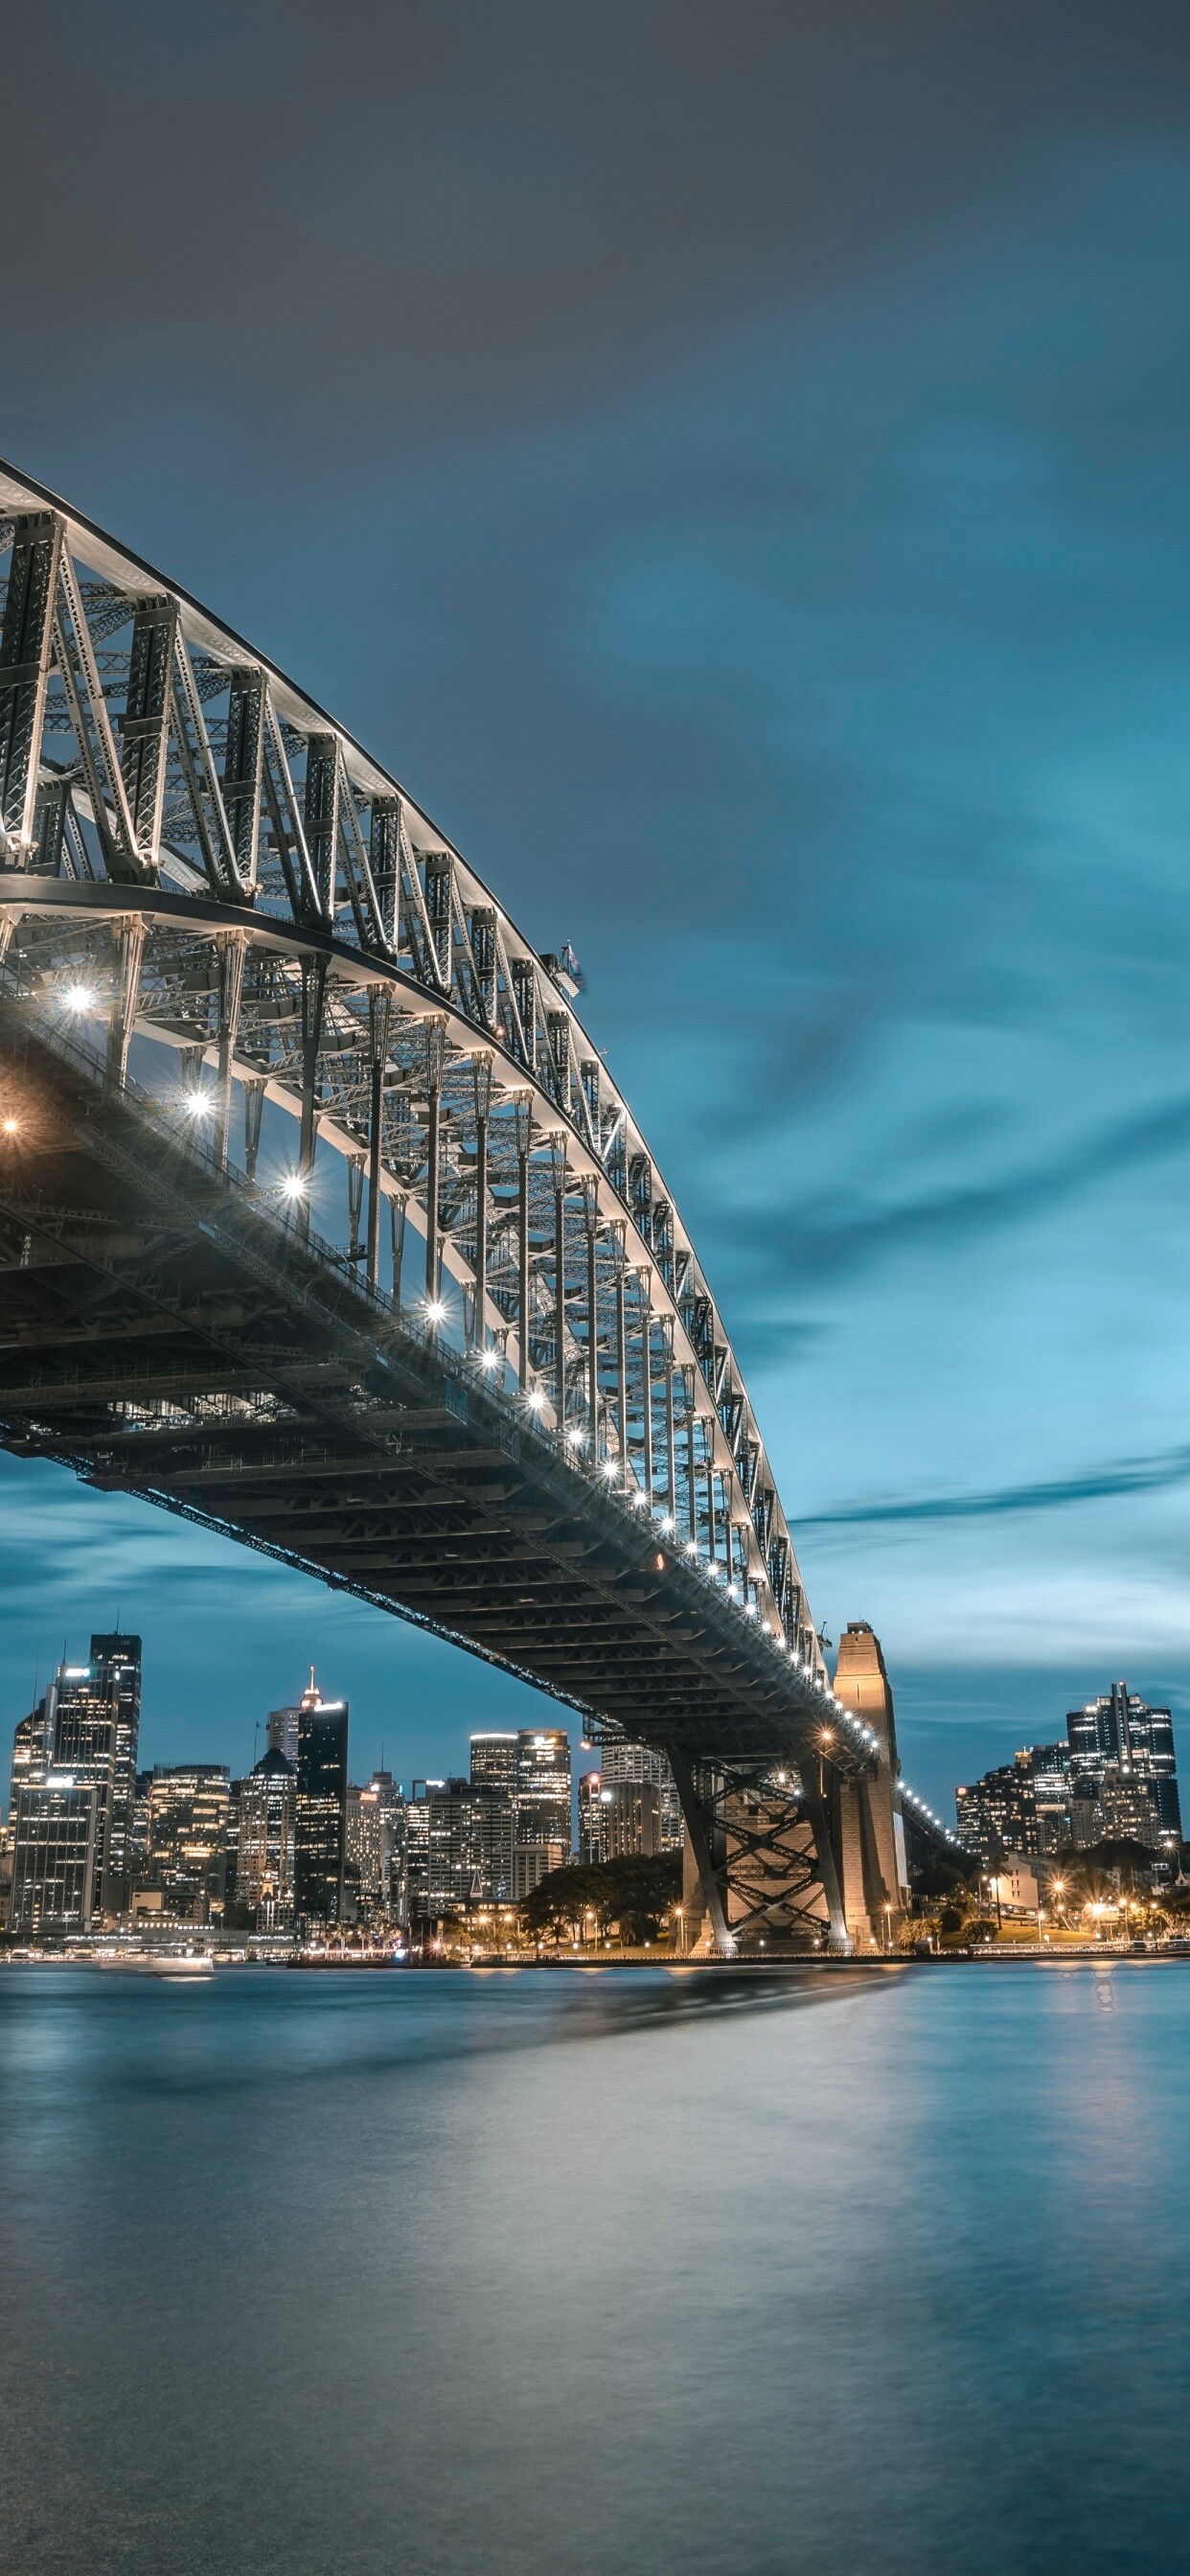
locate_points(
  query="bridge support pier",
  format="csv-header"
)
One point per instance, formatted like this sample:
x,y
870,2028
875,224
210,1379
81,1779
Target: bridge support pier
x,y
760,1870
868,1828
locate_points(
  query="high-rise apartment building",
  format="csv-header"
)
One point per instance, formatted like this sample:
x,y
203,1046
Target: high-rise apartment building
x,y
998,1813
1125,1747
188,1812
54,1857
264,1865
441,1847
320,1816
627,1765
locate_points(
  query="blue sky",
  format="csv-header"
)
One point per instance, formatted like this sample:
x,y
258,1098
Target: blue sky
x,y
807,638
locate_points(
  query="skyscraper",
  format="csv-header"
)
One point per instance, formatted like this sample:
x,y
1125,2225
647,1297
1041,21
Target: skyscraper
x,y
320,1816
592,1837
283,1733
264,1867
1124,1747
636,1765
543,1795
188,1811
53,1880
494,1811
86,1730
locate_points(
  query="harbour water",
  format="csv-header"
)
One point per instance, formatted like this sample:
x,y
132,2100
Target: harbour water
x,y
635,2274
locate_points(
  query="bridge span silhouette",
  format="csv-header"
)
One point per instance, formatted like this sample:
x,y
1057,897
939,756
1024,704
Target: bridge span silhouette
x,y
324,1224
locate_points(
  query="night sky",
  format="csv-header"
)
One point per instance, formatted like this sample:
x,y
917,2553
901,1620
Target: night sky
x,y
732,462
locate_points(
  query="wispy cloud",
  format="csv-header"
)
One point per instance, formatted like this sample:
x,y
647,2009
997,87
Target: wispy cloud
x,y
1134,1476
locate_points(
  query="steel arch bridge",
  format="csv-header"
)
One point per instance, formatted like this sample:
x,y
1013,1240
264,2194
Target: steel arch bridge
x,y
247,984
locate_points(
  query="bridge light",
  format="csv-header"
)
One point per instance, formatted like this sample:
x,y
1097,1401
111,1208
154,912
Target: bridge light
x,y
609,1469
536,1400
827,1737
78,998
489,1359
576,1437
197,1104
294,1186
692,1547
435,1310
667,1523
11,1126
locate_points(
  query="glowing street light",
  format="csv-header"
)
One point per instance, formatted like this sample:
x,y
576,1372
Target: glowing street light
x,y
79,998
294,1186
435,1310
10,1126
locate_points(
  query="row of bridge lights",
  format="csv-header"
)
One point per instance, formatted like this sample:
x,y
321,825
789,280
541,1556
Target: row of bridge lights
x,y
79,999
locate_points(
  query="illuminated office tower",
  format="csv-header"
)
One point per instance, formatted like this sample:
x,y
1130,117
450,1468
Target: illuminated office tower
x,y
376,1847
320,1814
53,1870
264,1865
32,1747
494,1762
188,1812
441,1847
591,1818
93,1711
543,1793
494,1812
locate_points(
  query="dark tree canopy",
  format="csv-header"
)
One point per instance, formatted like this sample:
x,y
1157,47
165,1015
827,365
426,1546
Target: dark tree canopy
x,y
636,1893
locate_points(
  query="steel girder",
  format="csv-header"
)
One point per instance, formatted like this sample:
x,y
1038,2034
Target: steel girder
x,y
200,870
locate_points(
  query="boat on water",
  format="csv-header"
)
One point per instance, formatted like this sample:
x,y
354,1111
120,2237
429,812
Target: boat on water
x,y
165,1963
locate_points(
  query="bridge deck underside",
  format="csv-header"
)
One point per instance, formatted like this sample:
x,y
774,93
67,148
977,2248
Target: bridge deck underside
x,y
164,1337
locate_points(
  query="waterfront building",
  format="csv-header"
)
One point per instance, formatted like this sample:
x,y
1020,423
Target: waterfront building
x,y
264,1872
320,1812
543,1787
90,1731
55,1850
591,1812
188,1813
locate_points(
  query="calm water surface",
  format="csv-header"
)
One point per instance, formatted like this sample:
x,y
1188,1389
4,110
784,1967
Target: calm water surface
x,y
635,2276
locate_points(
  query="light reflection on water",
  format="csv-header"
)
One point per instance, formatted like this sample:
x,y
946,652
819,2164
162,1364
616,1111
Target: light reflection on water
x,y
619,2276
